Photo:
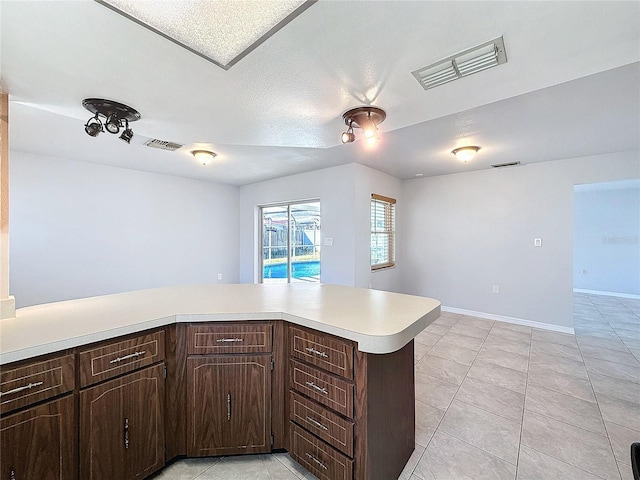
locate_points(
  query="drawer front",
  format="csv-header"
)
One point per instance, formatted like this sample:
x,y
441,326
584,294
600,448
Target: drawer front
x,y
326,425
323,351
112,359
35,382
319,458
330,391
229,338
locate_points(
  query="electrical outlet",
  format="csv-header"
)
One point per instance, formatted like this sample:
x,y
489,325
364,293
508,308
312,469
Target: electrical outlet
x,y
583,271
496,289
219,276
328,241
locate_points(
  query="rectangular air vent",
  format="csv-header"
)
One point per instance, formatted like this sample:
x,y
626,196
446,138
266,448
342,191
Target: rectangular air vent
x,y
163,145
509,164
467,62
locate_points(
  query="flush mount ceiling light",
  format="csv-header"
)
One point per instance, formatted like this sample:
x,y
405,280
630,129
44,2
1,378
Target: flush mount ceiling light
x,y
205,157
116,116
221,31
470,61
465,154
367,118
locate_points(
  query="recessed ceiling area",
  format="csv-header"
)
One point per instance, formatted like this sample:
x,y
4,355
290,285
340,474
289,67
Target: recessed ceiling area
x,y
223,31
569,88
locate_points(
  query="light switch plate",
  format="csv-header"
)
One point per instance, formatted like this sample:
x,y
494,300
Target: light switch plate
x,y
537,242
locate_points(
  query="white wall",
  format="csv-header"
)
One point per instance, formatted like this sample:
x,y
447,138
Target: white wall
x,y
345,194
463,233
80,229
335,189
370,181
606,231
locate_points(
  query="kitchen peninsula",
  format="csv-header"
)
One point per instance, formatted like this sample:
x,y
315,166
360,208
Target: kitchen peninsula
x,y
323,371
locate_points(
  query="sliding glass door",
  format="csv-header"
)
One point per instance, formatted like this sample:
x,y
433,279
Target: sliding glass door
x,y
290,244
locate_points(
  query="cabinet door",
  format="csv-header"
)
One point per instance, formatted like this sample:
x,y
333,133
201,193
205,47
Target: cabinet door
x,y
229,401
143,412
39,442
122,427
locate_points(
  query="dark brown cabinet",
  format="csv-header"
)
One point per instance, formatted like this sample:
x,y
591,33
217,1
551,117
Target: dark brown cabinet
x,y
229,404
122,426
40,442
229,383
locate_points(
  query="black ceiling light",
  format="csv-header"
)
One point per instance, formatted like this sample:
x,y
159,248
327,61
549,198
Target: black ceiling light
x,y
367,118
116,116
127,134
93,126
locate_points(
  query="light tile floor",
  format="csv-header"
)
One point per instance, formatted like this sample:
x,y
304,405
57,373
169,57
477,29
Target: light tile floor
x,y
501,401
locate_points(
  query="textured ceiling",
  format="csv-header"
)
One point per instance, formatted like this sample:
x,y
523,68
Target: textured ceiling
x,y
569,88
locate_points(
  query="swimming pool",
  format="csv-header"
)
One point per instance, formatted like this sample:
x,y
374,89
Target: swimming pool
x,y
299,270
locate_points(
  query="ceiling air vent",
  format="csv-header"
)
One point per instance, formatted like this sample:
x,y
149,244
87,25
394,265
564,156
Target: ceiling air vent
x,y
163,145
468,62
509,164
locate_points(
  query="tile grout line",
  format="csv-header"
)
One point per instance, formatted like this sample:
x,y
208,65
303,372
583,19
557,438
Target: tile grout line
x,y
524,403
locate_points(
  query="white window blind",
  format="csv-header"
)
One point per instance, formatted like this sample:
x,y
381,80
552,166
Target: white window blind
x,y
383,232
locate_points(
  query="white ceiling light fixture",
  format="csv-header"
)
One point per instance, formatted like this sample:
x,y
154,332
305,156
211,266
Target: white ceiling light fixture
x,y
205,157
221,31
464,154
367,118
470,61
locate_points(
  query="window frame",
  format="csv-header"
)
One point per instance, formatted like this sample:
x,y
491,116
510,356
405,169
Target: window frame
x,y
389,229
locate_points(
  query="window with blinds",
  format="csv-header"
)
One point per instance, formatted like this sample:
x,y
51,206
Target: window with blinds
x,y
383,232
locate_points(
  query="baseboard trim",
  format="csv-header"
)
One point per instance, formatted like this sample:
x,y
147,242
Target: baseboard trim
x,y
516,321
607,294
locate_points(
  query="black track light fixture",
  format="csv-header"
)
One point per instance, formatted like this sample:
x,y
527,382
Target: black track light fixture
x,y
112,125
366,118
93,126
116,116
127,133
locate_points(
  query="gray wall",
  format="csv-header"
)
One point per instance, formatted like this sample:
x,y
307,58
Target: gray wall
x,y
464,233
345,194
80,229
606,225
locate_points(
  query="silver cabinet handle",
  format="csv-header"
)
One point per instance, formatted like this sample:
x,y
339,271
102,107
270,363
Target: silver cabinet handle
x,y
316,423
127,357
228,406
228,340
317,461
126,433
20,389
316,387
317,352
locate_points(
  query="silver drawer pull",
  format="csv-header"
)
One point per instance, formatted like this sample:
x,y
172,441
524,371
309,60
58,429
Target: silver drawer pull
x,y
316,387
227,340
316,423
127,357
317,461
20,389
317,352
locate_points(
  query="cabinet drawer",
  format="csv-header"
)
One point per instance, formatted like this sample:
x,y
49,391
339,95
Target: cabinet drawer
x,y
117,357
229,338
319,458
34,382
330,427
330,391
326,352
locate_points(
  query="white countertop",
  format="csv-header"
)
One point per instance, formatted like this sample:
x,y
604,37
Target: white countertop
x,y
381,322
